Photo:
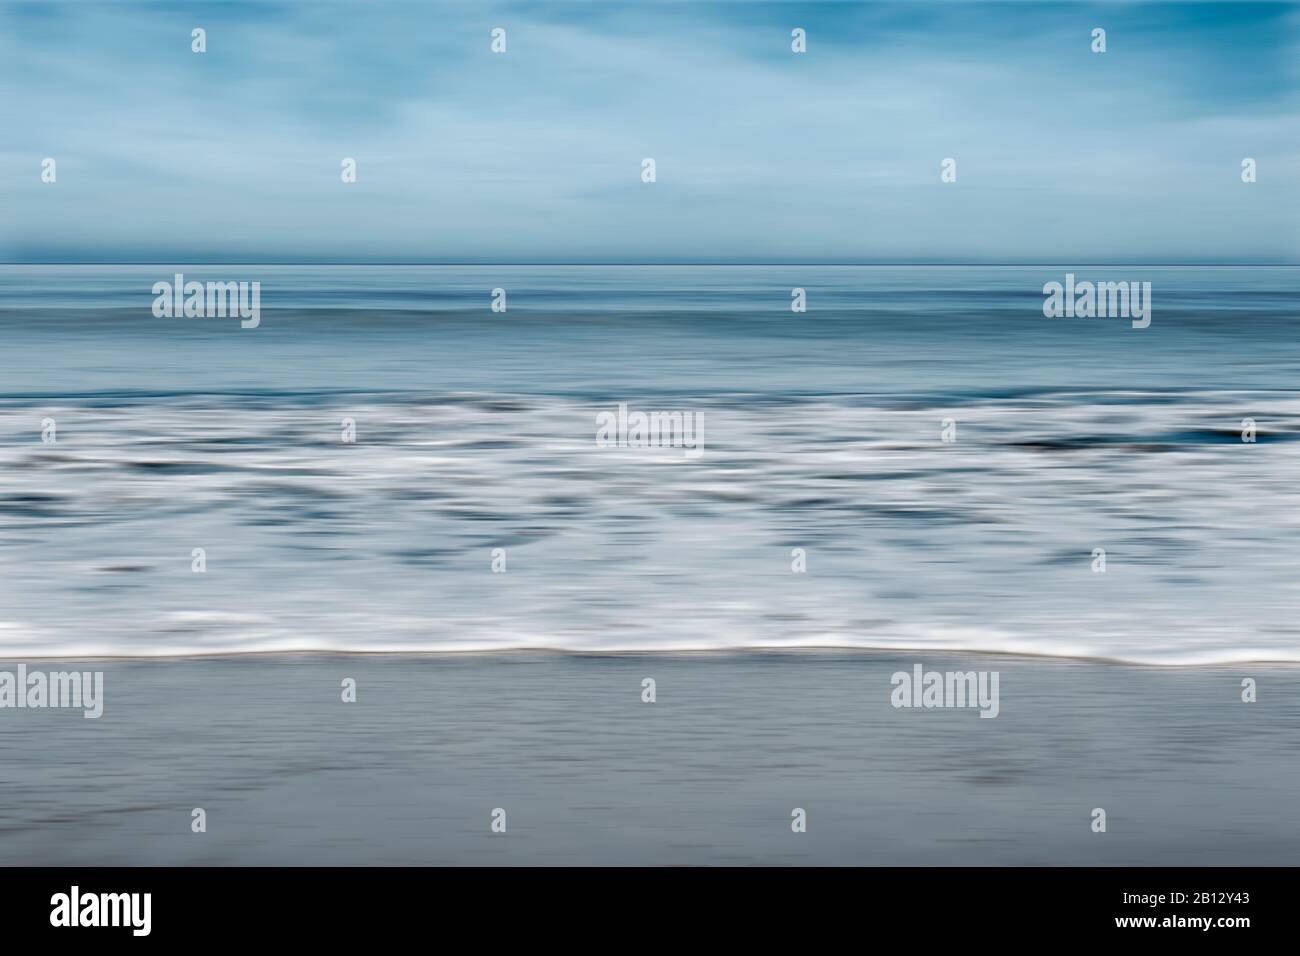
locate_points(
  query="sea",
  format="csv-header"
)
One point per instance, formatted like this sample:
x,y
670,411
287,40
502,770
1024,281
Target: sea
x,y
920,460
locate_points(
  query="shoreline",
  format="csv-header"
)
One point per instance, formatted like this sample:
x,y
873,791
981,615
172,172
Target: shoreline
x,y
811,650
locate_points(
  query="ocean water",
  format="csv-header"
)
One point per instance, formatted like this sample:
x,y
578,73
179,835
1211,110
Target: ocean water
x,y
476,430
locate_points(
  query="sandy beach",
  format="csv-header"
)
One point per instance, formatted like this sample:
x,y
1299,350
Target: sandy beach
x,y
587,773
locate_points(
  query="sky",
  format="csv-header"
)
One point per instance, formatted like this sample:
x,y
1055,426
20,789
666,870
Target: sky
x,y
762,154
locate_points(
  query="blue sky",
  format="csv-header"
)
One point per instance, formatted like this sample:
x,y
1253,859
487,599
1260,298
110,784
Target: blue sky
x,y
1062,155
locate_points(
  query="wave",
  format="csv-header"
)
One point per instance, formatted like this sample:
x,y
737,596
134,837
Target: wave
x,y
29,648
387,544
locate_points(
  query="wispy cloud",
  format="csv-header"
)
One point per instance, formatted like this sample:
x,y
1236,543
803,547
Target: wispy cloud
x,y
762,154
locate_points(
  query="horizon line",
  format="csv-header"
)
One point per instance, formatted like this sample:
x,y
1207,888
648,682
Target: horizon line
x,y
670,264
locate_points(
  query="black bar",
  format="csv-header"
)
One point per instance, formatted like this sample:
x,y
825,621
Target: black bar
x,y
333,906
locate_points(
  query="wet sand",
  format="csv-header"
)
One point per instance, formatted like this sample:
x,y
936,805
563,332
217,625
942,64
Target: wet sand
x,y
587,773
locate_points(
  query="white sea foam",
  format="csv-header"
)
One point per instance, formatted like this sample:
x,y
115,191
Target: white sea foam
x,y
983,545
